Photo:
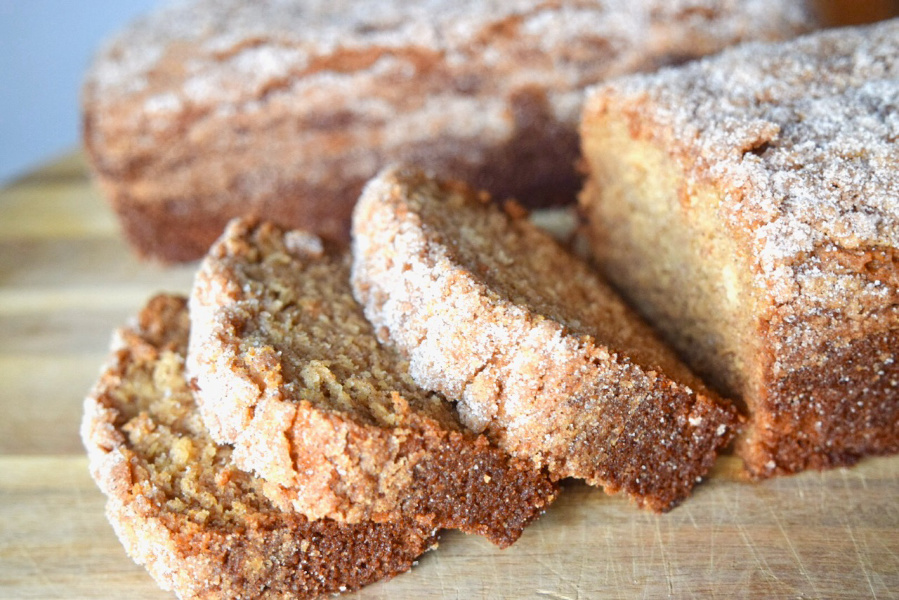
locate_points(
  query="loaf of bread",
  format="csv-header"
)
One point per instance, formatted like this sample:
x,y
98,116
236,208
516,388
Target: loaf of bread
x,y
540,354
212,109
199,525
748,206
289,371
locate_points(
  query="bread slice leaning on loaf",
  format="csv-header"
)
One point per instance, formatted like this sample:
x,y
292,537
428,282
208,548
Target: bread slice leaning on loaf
x,y
748,205
289,371
207,110
182,509
539,353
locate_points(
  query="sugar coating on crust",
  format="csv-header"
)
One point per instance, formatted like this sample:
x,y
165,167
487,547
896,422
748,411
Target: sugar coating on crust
x,y
803,138
541,355
800,141
200,526
290,372
201,111
274,39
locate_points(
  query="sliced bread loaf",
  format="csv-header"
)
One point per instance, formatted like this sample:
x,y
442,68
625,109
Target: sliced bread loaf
x,y
289,371
748,205
200,526
540,354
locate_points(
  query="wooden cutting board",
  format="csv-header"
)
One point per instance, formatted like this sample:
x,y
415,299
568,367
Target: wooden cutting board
x,y
66,280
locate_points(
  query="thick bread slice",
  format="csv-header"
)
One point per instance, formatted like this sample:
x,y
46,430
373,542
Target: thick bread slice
x,y
200,526
748,205
541,355
207,110
290,372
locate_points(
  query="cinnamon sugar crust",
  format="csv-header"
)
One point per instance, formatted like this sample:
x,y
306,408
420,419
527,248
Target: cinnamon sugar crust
x,y
290,372
747,205
212,109
540,354
200,526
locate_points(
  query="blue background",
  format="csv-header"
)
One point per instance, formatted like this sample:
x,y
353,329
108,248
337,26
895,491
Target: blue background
x,y
45,48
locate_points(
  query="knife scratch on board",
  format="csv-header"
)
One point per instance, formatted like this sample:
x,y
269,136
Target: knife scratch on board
x,y
761,563
38,568
800,565
439,570
556,596
666,563
863,563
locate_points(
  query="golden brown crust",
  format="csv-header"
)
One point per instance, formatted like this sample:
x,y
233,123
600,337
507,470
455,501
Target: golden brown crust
x,y
179,506
784,155
216,109
290,372
540,354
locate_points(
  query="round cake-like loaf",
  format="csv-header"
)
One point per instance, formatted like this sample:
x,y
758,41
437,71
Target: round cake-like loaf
x,y
541,355
213,109
200,526
290,372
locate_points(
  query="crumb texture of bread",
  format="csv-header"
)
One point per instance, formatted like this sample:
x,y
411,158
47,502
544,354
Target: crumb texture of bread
x,y
748,205
541,355
212,109
200,526
289,371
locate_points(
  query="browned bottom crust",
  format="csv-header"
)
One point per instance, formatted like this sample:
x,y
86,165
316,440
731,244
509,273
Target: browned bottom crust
x,y
182,228
179,506
828,416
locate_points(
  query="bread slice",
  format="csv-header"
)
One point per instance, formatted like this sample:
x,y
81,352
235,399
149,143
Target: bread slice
x,y
540,354
289,371
200,526
207,110
747,205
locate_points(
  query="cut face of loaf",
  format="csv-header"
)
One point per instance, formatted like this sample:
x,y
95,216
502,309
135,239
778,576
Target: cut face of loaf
x,y
540,354
200,526
289,371
212,109
748,205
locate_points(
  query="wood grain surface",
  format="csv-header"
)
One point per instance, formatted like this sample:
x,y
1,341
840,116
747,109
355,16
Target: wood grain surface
x,y
67,280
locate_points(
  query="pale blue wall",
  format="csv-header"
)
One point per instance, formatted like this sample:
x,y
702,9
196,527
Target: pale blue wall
x,y
45,47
